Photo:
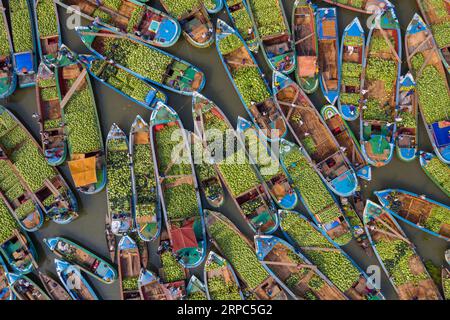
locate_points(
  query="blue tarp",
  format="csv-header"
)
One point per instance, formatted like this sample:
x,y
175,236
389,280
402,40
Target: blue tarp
x,y
24,62
441,133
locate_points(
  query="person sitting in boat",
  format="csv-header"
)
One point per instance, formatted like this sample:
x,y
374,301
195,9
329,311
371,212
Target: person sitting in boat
x,y
63,246
250,31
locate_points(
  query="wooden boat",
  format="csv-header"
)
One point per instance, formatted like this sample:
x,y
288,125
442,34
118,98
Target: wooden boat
x,y
293,271
320,203
110,239
169,72
417,210
129,262
257,282
83,258
445,275
47,28
239,15
146,201
321,250
437,15
207,176
49,188
397,256
378,103
87,165
131,17
122,82
437,171
25,60
119,189
311,132
151,288
19,252
347,141
50,118
406,139
244,182
306,48
195,22
8,76
142,247
213,6
351,55
433,92
273,34
268,165
178,187
5,291
195,289
25,289
241,65
221,282
74,282
328,43
351,209
364,6
54,289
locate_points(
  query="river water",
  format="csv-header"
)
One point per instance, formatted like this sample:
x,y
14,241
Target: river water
x,y
88,229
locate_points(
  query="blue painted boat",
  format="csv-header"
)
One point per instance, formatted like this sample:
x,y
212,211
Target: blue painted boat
x,y
397,256
329,63
216,6
378,105
275,40
268,165
423,61
364,6
74,282
239,15
196,289
185,225
303,235
293,271
25,289
83,258
257,100
436,170
151,287
146,200
19,253
417,210
46,20
5,290
311,132
130,17
221,282
129,263
8,76
407,138
351,55
178,76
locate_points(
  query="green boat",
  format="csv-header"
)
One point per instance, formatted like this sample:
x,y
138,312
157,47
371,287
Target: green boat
x,y
47,30
436,170
25,289
195,289
8,76
15,246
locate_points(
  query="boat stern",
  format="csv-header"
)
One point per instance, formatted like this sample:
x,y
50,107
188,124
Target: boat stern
x,y
51,242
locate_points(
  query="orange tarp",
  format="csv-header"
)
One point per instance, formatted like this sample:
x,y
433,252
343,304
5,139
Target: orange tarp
x,y
183,237
83,171
307,66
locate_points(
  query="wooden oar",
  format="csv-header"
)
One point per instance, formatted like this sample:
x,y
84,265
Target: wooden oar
x,y
287,264
320,249
393,231
304,38
72,89
385,36
420,45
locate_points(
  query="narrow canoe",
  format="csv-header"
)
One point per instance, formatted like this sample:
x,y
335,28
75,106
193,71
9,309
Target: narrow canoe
x,y
437,17
53,288
351,209
8,77
25,289
293,271
304,33
74,282
317,199
322,251
151,288
351,58
397,256
122,81
131,17
195,22
257,282
19,253
347,141
147,205
268,165
446,283
378,104
364,6
242,179
110,239
433,92
83,258
241,65
50,118
273,34
159,67
195,289
221,282
129,262
239,15
436,170
5,291
417,210
178,186
213,6
87,160
311,132
47,28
